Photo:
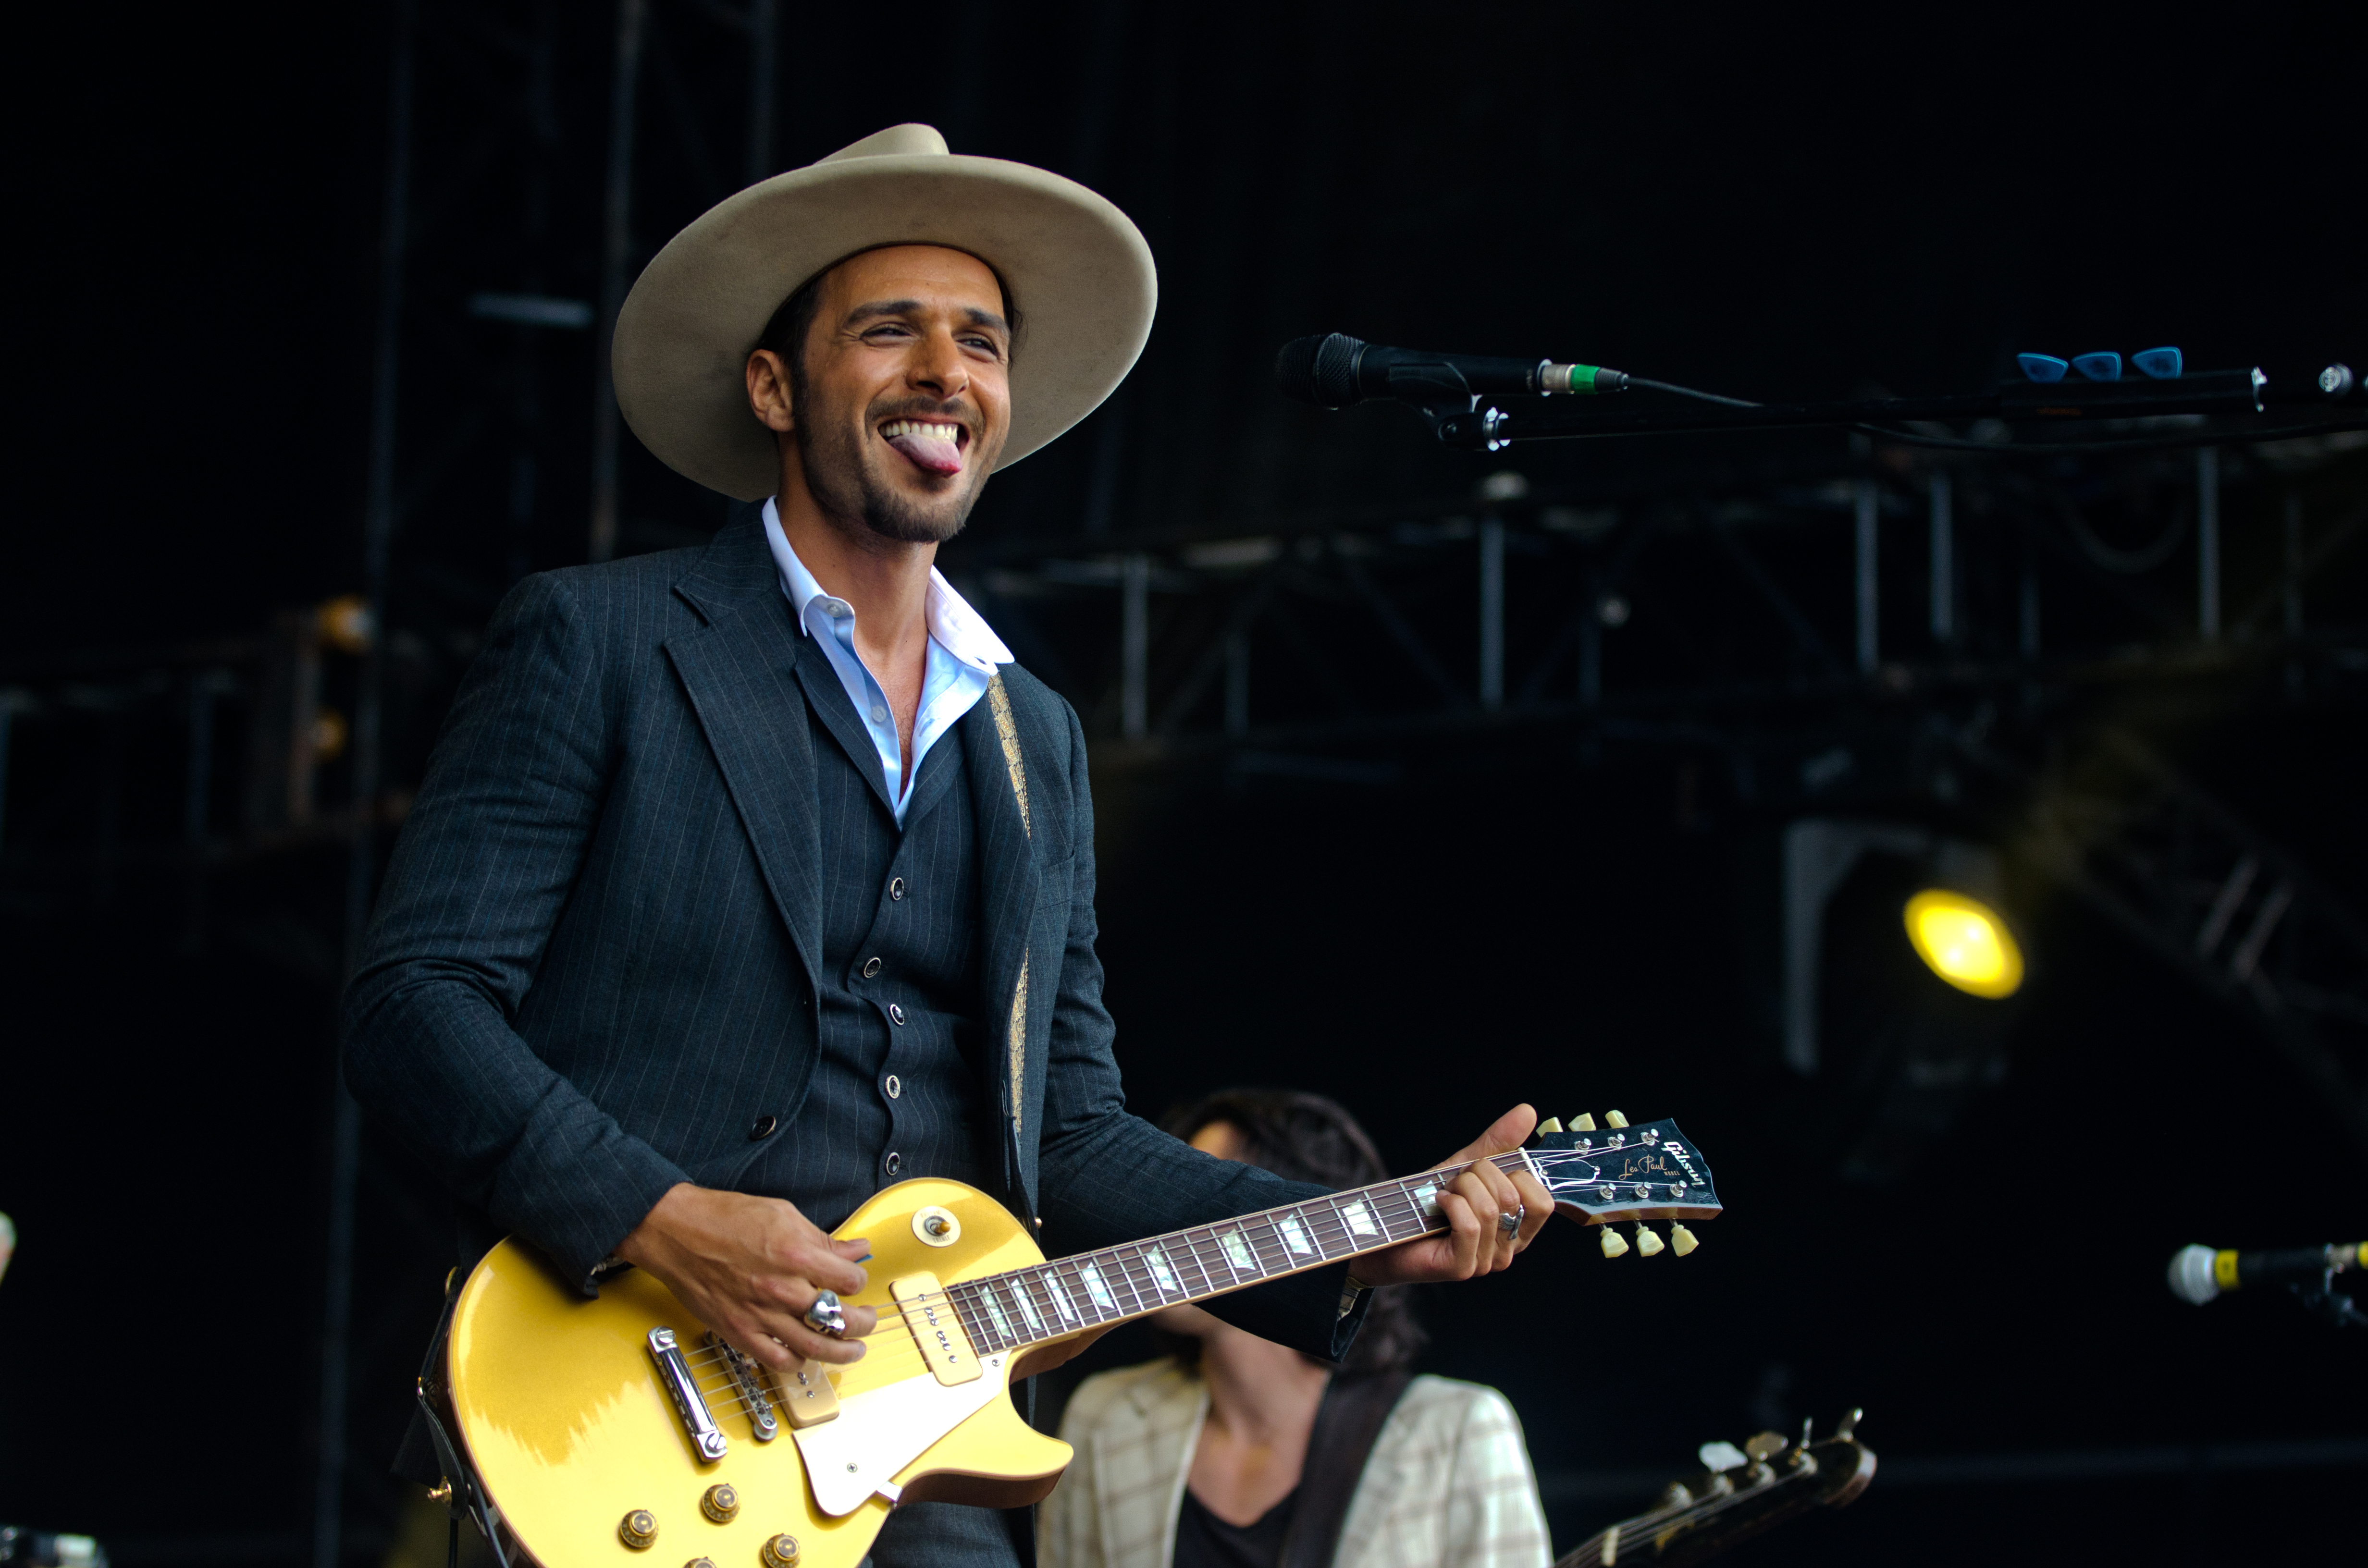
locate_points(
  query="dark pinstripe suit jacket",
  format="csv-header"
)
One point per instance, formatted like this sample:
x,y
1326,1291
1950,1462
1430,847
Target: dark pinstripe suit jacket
x,y
593,958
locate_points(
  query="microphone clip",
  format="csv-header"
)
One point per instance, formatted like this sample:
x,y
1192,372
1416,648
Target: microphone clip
x,y
2330,1305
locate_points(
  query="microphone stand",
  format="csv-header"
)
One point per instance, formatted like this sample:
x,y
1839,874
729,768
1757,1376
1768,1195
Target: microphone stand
x,y
1483,426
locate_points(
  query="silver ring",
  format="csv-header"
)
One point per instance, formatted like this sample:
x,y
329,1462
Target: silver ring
x,y
827,1316
1510,1223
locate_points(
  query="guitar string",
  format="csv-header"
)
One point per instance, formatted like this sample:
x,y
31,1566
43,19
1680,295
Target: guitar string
x,y
1138,1276
1653,1520
1394,1202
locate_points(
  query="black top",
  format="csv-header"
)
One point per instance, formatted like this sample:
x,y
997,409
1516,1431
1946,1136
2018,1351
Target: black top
x,y
1204,1540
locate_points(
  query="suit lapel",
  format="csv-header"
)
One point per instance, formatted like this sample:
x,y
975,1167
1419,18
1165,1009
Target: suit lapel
x,y
740,672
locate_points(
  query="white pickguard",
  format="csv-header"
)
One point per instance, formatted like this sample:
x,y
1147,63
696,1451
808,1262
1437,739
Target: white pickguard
x,y
879,1433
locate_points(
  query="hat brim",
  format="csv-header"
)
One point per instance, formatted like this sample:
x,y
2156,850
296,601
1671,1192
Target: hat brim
x,y
1080,276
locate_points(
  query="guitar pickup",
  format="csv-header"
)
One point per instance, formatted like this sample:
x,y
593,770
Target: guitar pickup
x,y
930,1313
699,1422
808,1396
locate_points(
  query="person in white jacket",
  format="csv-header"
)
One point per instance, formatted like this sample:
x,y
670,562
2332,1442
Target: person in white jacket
x,y
1203,1458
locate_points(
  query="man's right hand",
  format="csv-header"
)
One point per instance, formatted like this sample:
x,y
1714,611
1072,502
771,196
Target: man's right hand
x,y
749,1268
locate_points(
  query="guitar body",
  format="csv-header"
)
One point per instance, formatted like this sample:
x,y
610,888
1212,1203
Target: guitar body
x,y
568,1424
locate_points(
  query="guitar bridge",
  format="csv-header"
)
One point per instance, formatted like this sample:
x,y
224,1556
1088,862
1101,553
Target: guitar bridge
x,y
749,1383
699,1424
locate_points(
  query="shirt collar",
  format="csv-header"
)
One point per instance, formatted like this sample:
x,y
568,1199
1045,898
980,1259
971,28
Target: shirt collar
x,y
953,624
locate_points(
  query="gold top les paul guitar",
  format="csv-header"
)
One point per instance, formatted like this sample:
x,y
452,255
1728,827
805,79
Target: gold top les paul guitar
x,y
593,1434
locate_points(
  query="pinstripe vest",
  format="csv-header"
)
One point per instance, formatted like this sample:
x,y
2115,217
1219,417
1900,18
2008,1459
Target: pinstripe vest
x,y
901,1078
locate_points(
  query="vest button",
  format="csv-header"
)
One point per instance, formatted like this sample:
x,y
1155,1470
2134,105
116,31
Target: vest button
x,y
762,1130
894,1163
895,1086
870,969
896,889
895,1014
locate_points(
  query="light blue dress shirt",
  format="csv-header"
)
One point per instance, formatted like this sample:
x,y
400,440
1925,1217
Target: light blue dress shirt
x,y
964,651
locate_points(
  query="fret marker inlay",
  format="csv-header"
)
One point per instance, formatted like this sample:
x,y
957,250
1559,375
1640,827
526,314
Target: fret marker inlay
x,y
1237,1252
1159,1270
1296,1236
1360,1218
1093,1278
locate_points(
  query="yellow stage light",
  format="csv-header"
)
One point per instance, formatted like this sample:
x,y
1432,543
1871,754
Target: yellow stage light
x,y
1965,943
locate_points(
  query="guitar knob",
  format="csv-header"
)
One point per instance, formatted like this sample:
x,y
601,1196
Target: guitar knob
x,y
721,1503
781,1551
1550,1124
1681,1240
1614,1118
1647,1244
638,1530
1582,1122
1614,1244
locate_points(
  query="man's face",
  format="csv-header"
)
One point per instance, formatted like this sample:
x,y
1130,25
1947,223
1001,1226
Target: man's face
x,y
907,391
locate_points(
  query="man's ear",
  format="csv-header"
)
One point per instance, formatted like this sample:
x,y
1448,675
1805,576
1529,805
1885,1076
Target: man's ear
x,y
768,392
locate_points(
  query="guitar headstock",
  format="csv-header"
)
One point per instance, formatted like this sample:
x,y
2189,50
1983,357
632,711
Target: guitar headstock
x,y
1737,1494
1617,1172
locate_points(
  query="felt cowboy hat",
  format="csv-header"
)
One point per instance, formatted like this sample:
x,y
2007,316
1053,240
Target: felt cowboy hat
x,y
1080,276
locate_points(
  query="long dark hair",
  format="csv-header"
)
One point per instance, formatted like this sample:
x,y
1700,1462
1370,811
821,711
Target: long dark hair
x,y
1303,1137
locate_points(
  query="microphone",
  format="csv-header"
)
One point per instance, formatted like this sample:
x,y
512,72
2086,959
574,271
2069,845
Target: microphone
x,y
1333,370
2198,1273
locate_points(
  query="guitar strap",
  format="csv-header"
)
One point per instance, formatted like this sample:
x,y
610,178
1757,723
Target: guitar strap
x,y
1347,1424
1007,729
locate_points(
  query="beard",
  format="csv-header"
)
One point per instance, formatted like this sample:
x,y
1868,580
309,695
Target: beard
x,y
843,473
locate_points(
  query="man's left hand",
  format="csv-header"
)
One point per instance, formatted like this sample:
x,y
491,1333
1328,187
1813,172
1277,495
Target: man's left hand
x,y
1475,1241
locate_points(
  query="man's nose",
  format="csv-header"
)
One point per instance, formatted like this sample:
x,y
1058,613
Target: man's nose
x,y
937,366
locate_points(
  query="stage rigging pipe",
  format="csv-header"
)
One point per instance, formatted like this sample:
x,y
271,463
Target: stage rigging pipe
x,y
764,46
197,800
2293,589
377,531
2207,542
1866,507
616,242
1492,613
1945,559
1135,647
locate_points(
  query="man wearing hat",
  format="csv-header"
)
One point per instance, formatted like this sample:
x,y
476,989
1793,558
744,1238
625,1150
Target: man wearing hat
x,y
747,879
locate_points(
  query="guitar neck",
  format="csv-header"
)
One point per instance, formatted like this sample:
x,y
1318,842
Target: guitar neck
x,y
1051,1300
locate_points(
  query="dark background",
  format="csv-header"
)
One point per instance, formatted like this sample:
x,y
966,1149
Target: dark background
x,y
1766,201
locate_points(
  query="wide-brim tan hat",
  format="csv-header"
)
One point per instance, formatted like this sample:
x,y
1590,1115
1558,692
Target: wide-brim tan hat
x,y
1080,276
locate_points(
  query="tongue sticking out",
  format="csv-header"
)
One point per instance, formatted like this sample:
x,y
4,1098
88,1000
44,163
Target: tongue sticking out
x,y
929,453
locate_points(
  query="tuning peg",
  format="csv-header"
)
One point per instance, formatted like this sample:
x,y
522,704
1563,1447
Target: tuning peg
x,y
1582,1122
1849,1428
1614,1118
1681,1240
1719,1458
1765,1446
1614,1244
1647,1244
1550,1124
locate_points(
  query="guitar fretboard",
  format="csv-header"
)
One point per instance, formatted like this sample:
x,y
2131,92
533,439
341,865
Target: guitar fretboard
x,y
1026,1306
